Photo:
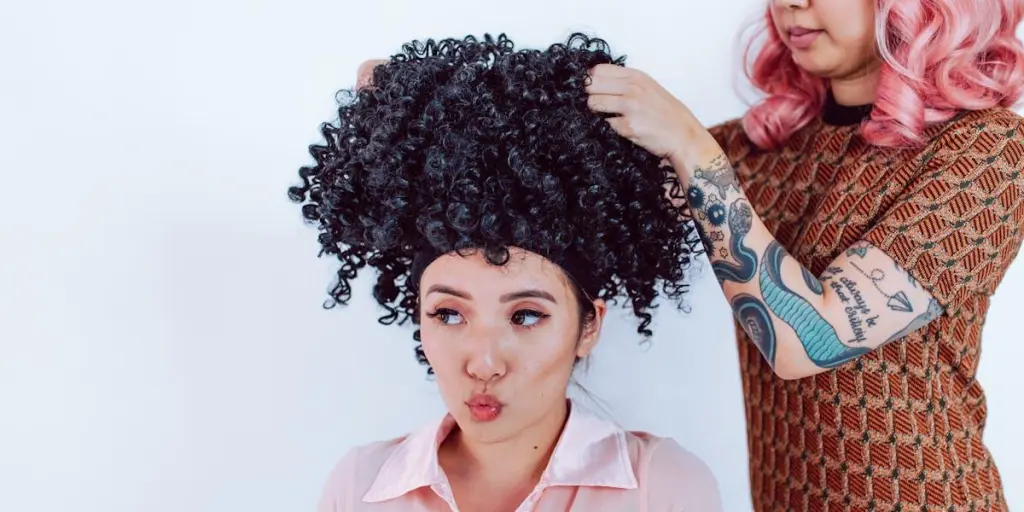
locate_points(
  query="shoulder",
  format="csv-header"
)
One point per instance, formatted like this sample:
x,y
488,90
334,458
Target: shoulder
x,y
990,118
353,475
982,147
956,222
673,477
984,130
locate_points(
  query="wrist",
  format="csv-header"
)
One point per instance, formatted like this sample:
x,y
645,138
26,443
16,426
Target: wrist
x,y
696,149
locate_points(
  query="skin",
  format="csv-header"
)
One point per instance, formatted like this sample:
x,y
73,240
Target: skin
x,y
844,53
513,332
803,324
865,299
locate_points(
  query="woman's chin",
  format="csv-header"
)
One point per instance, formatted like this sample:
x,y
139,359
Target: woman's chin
x,y
811,63
484,433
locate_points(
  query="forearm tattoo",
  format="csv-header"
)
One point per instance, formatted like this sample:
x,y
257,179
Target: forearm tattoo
x,y
736,262
725,230
815,333
757,322
740,218
720,175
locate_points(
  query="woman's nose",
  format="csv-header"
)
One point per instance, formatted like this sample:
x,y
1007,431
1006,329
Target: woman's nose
x,y
486,360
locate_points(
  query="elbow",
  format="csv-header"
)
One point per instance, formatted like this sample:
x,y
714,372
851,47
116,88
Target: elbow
x,y
787,367
785,372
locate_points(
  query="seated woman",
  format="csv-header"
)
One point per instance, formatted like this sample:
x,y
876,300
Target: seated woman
x,y
502,216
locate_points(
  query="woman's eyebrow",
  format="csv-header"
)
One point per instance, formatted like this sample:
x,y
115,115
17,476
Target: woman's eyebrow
x,y
528,294
448,290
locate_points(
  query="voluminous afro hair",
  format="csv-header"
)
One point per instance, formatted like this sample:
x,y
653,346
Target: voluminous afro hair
x,y
469,144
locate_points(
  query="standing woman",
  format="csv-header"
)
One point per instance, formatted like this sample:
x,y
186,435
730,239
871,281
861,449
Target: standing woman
x,y
858,220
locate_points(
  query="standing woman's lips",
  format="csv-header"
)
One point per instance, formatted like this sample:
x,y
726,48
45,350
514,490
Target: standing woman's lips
x,y
802,38
484,407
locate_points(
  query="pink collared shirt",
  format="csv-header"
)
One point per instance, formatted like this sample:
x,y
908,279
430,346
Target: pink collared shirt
x,y
595,466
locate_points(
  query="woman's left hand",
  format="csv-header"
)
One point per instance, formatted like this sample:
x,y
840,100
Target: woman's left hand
x,y
648,115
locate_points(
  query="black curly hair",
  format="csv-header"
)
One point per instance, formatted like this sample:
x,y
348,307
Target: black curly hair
x,y
469,144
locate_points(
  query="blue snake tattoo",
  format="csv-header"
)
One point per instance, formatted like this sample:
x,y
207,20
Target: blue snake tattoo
x,y
740,220
757,321
750,312
818,337
812,282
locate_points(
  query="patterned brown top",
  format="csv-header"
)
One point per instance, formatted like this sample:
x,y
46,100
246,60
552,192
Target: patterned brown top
x,y
901,428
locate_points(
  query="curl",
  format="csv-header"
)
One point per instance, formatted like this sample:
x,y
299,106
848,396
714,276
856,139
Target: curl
x,y
470,144
939,57
793,97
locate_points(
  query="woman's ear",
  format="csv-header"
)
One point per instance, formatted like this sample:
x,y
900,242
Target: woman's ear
x,y
592,330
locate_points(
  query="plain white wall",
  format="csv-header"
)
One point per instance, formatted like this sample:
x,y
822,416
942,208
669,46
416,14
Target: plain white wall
x,y
163,346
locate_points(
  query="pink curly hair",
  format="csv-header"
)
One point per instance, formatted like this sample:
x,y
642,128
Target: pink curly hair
x,y
939,56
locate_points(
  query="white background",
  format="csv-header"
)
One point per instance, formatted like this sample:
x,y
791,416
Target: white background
x,y
163,344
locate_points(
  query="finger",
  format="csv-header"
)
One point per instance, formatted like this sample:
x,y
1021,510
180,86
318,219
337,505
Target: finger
x,y
607,85
364,75
610,71
606,103
622,127
674,194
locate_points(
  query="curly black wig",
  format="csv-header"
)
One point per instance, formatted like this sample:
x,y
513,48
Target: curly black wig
x,y
469,144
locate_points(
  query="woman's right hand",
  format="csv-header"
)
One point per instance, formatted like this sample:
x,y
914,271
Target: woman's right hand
x,y
365,72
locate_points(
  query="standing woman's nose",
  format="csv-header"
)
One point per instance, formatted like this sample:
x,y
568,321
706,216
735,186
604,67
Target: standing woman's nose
x,y
792,4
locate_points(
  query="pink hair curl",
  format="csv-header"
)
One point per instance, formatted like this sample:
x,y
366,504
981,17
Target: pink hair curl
x,y
939,56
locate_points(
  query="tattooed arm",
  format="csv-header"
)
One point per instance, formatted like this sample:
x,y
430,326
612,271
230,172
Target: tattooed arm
x,y
802,324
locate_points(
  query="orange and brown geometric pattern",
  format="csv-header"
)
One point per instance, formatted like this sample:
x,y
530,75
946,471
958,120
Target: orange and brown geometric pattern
x,y
900,429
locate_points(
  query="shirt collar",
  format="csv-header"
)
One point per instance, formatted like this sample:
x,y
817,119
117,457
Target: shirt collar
x,y
590,452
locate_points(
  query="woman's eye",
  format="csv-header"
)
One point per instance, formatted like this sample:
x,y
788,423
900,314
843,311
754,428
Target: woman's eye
x,y
446,316
527,317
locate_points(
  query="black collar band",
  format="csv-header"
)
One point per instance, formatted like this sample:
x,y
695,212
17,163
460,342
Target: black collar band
x,y
844,115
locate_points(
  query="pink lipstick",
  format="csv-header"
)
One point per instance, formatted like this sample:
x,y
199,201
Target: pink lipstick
x,y
802,38
484,407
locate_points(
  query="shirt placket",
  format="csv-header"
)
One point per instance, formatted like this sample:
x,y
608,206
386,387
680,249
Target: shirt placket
x,y
444,490
531,501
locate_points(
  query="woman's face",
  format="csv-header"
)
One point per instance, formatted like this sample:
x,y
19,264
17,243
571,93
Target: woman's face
x,y
502,340
829,38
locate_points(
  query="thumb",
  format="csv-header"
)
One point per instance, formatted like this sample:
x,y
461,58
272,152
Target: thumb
x,y
365,72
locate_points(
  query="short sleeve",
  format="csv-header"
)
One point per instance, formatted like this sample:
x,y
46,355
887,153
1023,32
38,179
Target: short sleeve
x,y
679,481
338,492
957,226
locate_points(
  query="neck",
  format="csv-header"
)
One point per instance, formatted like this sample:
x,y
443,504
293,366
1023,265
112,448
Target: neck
x,y
858,89
519,460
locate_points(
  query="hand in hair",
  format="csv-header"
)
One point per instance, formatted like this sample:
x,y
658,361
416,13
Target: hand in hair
x,y
646,113
800,322
465,144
